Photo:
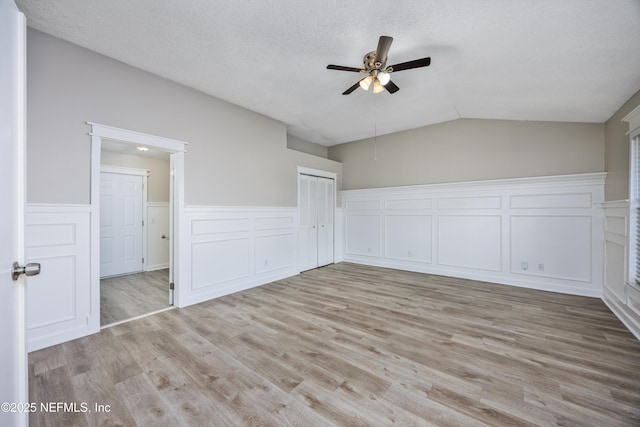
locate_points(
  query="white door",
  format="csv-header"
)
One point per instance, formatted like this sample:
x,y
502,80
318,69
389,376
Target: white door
x,y
308,229
120,224
325,221
316,210
13,352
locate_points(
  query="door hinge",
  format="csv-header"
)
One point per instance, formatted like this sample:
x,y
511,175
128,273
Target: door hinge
x,y
171,286
143,260
143,222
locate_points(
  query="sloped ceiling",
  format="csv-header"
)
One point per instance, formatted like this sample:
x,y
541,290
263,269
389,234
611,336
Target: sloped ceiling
x,y
550,60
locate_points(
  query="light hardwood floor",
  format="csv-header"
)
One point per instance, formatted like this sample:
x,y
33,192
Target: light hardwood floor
x,y
126,297
354,345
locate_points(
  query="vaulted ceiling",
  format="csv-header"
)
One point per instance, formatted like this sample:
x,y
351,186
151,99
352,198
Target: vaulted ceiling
x,y
550,60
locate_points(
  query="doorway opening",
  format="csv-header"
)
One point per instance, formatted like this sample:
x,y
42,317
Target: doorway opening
x,y
134,232
143,264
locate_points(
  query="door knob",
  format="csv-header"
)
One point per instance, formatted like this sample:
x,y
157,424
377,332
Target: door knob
x,y
31,269
164,236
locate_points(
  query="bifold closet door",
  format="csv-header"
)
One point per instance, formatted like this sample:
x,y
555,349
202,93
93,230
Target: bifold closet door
x,y
315,241
308,227
325,221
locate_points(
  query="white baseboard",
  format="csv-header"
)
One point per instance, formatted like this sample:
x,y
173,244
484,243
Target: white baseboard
x,y
627,316
157,267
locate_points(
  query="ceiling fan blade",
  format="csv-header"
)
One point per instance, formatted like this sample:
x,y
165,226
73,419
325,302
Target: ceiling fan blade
x,y
383,48
416,63
352,88
391,87
343,68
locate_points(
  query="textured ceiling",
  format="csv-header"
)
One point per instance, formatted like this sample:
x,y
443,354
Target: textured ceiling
x,y
557,60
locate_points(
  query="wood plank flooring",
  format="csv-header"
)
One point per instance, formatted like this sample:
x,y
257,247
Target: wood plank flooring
x,y
126,297
352,345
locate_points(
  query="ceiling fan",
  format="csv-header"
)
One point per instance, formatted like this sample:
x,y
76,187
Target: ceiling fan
x,y
376,70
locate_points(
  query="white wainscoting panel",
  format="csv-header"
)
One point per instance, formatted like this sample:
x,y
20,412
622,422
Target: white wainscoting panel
x,y
470,241
541,232
558,247
157,225
236,248
363,234
338,236
408,237
58,299
621,296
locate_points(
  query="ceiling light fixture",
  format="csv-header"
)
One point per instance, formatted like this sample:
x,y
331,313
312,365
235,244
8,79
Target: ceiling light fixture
x,y
142,148
384,77
377,87
366,82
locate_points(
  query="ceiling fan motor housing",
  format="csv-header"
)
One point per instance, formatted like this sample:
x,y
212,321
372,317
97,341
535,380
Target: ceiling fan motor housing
x,y
370,62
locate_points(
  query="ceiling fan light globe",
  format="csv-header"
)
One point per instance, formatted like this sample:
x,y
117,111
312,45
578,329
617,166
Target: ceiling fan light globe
x,y
377,86
384,77
366,82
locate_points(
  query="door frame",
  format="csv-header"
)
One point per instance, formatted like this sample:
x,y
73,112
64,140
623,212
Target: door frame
x,y
144,173
176,150
303,170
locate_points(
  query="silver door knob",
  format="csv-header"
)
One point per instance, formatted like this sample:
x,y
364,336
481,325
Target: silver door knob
x,y
164,236
31,269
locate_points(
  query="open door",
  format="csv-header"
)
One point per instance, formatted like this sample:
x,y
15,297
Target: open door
x,y
13,352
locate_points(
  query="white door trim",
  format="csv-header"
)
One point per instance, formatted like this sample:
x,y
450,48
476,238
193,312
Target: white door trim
x,y
124,170
144,173
176,149
317,172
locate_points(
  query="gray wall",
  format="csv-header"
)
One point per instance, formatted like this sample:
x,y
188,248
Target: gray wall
x,y
158,181
299,144
471,149
235,156
616,154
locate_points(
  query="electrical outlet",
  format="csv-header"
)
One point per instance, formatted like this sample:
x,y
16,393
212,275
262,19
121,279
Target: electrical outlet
x,y
410,254
524,265
541,267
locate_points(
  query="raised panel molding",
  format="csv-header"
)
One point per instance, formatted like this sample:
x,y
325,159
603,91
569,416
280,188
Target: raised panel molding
x,y
58,299
470,241
622,297
557,247
615,224
219,225
362,205
485,230
408,204
409,237
551,201
470,202
362,235
218,261
235,248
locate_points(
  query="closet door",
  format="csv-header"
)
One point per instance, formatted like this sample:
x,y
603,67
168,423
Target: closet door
x,y
308,229
325,221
